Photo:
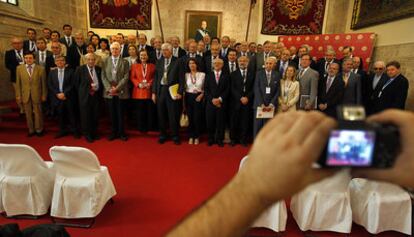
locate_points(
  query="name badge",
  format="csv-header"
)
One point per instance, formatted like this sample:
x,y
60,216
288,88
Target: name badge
x,y
267,90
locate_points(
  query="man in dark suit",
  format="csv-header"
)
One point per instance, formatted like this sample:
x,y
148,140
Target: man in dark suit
x,y
284,62
67,38
76,51
331,90
208,59
156,54
124,46
142,43
252,49
217,87
13,58
30,43
169,109
231,62
244,49
363,76
352,82
266,92
225,46
374,83
393,93
60,83
177,51
42,53
50,60
89,91
323,64
241,101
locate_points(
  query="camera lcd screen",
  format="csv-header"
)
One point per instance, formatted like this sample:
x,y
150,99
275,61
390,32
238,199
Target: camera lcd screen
x,y
350,148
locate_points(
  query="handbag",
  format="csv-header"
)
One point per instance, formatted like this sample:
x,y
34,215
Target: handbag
x,y
184,122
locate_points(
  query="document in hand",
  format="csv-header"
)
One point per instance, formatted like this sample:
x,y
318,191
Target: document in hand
x,y
265,113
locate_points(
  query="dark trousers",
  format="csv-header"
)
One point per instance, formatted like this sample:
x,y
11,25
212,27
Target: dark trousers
x,y
169,111
145,114
216,118
89,114
239,123
258,124
116,109
66,116
194,111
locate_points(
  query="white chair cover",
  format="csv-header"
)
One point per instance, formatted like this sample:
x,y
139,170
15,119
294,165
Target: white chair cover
x,y
26,181
324,206
380,206
275,217
82,185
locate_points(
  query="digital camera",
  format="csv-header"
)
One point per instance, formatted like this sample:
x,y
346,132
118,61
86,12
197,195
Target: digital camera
x,y
357,143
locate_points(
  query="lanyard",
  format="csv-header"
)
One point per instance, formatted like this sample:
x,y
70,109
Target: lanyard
x,y
386,84
144,70
193,79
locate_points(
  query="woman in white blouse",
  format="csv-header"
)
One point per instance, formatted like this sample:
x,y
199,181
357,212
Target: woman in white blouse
x,y
194,93
289,91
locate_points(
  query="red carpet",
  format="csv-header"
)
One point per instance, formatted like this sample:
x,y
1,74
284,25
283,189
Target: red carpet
x,y
157,184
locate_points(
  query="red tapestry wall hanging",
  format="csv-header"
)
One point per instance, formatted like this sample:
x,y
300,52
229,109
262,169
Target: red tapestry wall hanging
x,y
361,43
120,14
293,17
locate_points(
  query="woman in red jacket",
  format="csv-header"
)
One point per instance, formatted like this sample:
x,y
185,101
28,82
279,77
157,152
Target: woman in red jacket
x,y
142,76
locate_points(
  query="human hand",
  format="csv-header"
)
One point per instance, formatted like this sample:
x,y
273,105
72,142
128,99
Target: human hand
x,y
178,97
244,100
322,106
285,165
199,97
154,98
18,100
43,98
402,171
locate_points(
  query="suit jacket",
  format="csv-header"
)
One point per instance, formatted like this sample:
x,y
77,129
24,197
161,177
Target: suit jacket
x,y
149,48
369,103
237,85
291,98
226,66
26,46
352,93
321,66
12,61
33,88
392,94
172,76
63,41
82,84
332,97
363,76
313,64
260,84
137,77
153,56
208,63
50,64
213,90
309,84
290,63
226,54
37,57
121,78
258,61
181,52
53,84
74,55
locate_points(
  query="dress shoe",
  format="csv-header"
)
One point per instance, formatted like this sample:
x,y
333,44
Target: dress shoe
x,y
111,137
40,134
176,141
210,143
30,134
89,139
196,141
220,144
190,141
232,143
162,140
123,138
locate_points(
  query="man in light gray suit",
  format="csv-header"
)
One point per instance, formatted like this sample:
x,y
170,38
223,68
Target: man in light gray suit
x,y
308,80
115,76
259,58
266,92
352,93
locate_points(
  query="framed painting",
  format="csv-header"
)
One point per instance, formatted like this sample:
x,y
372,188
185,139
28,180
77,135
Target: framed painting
x,y
372,12
200,23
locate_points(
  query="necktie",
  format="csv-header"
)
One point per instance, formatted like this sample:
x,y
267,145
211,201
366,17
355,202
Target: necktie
x,y
328,84
268,77
282,67
244,80
232,67
217,77
29,68
158,54
60,77
42,57
345,78
302,71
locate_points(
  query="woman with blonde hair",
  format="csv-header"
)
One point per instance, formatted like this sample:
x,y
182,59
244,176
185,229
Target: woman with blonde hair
x,y
289,91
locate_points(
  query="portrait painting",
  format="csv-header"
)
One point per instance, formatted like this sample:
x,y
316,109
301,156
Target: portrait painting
x,y
201,23
372,12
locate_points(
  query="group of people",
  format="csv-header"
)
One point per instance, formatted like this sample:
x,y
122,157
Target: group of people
x,y
217,82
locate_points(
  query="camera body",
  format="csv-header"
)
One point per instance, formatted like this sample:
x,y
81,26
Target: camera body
x,y
357,143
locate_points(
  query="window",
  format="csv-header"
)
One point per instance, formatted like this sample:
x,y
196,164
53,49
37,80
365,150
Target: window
x,y
13,2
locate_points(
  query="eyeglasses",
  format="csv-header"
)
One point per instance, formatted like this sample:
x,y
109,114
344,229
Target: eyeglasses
x,y
378,68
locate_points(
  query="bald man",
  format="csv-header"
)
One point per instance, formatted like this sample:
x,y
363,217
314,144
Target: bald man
x,y
13,58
